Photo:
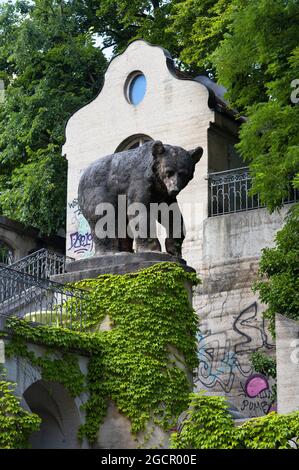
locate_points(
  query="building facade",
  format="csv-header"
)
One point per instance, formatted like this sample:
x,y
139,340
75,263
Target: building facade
x,y
144,97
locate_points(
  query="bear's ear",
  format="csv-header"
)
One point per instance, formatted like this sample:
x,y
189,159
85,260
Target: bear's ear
x,y
196,154
157,148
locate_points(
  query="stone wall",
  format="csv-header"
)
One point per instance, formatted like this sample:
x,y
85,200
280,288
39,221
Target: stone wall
x,y
230,313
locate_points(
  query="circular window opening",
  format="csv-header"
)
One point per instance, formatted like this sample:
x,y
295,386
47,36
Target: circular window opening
x,y
136,88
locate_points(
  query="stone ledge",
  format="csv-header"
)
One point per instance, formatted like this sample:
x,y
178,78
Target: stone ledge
x,y
118,263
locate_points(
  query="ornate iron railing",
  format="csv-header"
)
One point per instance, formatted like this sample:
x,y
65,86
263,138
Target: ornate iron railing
x,y
40,300
42,264
229,191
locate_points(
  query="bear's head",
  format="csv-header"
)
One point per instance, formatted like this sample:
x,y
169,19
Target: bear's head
x,y
174,166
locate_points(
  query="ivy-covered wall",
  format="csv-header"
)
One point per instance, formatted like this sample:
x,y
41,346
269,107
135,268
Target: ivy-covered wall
x,y
142,364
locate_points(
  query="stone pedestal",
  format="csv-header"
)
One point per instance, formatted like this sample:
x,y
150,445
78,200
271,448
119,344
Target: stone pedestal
x,y
117,263
115,431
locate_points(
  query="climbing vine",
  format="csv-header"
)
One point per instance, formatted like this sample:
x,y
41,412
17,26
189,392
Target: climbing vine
x,y
140,363
208,425
153,332
16,424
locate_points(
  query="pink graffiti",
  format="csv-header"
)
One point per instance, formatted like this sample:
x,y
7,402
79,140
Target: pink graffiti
x,y
256,384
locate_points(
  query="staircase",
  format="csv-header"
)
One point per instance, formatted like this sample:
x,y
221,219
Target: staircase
x,y
27,292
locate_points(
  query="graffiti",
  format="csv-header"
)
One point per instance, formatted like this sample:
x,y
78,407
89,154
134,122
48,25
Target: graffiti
x,y
253,408
218,363
74,205
222,358
256,384
254,336
81,243
258,396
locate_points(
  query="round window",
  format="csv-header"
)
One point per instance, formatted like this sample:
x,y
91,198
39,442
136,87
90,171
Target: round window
x,y
136,88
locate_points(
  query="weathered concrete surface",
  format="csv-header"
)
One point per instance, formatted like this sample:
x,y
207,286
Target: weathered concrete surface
x,y
287,357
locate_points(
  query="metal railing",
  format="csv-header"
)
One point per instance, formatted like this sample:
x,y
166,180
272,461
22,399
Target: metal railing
x,y
229,192
42,264
40,300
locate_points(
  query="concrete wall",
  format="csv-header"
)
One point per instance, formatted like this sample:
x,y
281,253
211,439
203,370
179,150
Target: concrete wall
x,y
230,313
173,110
287,357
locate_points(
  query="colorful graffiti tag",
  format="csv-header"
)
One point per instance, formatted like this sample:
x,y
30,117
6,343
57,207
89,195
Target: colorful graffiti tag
x,y
80,241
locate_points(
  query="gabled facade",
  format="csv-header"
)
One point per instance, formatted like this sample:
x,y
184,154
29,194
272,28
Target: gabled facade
x,y
226,228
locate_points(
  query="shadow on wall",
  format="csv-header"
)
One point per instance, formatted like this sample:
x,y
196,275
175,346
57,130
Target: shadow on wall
x,y
59,414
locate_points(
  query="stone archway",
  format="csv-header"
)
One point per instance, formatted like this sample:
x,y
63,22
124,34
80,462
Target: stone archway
x,y
59,413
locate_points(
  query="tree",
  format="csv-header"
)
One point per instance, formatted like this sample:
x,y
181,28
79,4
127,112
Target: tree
x,y
51,67
199,26
257,62
121,21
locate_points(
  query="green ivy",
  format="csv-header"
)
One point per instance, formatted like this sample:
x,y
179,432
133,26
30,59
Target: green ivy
x,y
136,364
16,424
149,311
263,364
208,425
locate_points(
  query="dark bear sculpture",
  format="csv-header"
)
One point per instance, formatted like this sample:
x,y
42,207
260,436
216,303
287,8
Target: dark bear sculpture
x,y
152,173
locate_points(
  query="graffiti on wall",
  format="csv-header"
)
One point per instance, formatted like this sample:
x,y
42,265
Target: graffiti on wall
x,y
252,331
218,363
224,362
257,397
79,241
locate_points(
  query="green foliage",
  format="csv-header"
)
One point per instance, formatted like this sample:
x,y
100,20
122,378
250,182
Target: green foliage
x,y
208,425
137,363
16,424
122,21
257,61
51,67
64,369
273,431
199,26
278,282
263,364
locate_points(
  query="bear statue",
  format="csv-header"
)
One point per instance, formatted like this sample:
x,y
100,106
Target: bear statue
x,y
151,173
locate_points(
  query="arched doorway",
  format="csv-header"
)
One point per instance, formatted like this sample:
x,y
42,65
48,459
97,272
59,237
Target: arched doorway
x,y
59,414
6,253
132,142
